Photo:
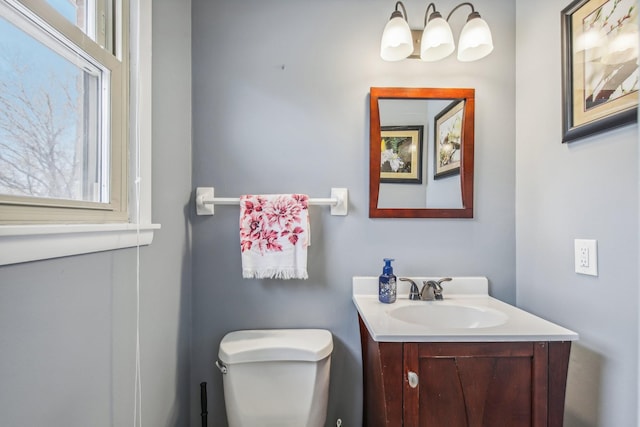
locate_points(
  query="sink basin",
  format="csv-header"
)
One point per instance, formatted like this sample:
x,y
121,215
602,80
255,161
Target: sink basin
x,y
443,315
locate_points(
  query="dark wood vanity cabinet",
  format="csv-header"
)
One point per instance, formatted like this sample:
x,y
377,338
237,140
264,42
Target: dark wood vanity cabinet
x,y
493,384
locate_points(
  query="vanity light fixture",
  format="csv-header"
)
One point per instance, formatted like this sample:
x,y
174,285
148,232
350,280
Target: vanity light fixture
x,y
436,41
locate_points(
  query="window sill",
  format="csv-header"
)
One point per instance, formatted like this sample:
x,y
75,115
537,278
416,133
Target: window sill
x,y
23,243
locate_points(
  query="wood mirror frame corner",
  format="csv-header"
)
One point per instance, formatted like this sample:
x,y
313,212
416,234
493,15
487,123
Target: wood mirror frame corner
x,y
466,154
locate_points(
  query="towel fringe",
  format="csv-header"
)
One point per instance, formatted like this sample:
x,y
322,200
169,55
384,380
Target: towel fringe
x,y
275,273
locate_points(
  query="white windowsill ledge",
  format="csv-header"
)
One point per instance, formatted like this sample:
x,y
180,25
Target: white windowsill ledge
x,y
23,243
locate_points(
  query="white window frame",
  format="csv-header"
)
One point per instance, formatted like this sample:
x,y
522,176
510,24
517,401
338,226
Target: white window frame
x,y
30,242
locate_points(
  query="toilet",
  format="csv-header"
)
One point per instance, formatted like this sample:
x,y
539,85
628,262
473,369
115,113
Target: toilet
x,y
276,377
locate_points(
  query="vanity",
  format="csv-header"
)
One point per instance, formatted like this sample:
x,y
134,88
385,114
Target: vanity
x,y
468,360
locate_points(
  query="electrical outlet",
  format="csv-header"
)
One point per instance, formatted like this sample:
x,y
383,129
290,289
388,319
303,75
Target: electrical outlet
x,y
586,256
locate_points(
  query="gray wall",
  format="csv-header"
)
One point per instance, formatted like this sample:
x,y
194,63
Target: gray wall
x,y
280,102
67,326
284,108
586,189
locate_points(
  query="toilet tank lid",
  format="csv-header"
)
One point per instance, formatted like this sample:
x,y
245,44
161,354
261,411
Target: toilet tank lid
x,y
261,345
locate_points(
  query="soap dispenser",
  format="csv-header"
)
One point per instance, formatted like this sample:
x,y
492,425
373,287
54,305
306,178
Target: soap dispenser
x,y
387,283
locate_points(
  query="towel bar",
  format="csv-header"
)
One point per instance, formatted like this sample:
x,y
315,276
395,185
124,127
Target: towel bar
x,y
205,201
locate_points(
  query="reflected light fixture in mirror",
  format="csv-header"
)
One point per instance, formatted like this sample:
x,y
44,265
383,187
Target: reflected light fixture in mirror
x,y
436,41
397,200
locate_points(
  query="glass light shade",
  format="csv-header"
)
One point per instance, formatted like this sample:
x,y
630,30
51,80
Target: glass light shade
x,y
397,43
437,40
475,40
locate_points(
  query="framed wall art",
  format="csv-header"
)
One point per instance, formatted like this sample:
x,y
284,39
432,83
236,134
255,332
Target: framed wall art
x,y
401,154
599,66
448,140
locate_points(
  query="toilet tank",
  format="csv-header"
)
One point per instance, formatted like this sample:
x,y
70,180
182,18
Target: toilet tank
x,y
277,377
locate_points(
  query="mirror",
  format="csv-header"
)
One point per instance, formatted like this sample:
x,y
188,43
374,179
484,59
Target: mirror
x,y
421,152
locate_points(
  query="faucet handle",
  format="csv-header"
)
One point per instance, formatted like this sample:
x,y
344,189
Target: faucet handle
x,y
444,279
414,293
439,285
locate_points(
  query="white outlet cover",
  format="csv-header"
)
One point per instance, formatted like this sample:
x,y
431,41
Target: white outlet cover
x,y
586,248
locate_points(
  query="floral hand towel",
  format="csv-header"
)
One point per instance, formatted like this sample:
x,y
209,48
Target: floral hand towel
x,y
274,235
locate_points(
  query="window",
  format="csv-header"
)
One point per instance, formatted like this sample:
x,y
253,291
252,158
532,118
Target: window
x,y
77,90
63,111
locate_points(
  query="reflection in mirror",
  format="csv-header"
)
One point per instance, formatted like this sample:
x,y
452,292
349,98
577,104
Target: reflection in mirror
x,y
421,153
431,190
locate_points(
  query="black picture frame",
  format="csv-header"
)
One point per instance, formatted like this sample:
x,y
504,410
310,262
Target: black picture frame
x,y
588,106
448,138
405,143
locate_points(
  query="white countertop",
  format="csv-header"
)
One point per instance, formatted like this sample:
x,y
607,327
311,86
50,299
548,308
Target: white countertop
x,y
466,291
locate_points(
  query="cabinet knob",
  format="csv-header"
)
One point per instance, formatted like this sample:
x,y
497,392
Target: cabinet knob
x,y
413,379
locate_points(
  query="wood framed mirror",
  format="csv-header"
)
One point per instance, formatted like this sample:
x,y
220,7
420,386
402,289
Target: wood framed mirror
x,y
421,152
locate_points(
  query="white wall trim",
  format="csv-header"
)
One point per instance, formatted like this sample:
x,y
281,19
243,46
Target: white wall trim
x,y
36,242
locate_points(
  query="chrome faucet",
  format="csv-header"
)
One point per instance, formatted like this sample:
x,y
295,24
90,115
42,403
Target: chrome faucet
x,y
435,286
431,289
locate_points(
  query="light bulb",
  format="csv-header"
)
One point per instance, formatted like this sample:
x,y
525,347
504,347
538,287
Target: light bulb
x,y
397,43
475,39
437,40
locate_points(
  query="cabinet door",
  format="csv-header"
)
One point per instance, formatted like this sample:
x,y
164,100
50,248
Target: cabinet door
x,y
476,384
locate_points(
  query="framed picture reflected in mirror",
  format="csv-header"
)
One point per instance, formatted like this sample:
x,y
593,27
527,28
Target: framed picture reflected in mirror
x,y
401,152
448,140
